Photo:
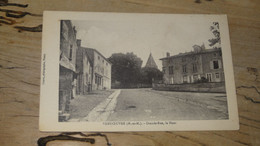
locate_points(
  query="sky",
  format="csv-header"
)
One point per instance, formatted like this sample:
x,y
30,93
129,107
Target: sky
x,y
144,35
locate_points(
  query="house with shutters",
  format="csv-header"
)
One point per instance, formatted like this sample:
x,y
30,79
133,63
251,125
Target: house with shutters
x,y
93,70
199,65
101,70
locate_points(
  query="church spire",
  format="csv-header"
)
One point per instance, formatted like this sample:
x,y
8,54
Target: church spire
x,y
150,62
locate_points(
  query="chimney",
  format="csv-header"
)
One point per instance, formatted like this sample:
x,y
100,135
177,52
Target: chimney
x,y
196,48
78,42
75,31
203,48
167,54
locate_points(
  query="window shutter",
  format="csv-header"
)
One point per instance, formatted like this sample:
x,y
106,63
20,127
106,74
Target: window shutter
x,y
219,64
211,64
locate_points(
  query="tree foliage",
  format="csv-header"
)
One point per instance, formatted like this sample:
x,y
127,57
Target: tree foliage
x,y
125,68
215,42
148,75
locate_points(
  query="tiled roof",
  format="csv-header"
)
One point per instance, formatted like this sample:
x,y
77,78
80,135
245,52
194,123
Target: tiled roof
x,y
150,62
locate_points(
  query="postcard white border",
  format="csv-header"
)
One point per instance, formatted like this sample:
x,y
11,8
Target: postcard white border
x,y
50,77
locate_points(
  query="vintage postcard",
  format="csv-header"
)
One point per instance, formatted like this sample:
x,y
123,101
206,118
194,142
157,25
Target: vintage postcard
x,y
136,72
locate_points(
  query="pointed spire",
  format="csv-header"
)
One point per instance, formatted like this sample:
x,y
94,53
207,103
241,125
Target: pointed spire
x,y
150,62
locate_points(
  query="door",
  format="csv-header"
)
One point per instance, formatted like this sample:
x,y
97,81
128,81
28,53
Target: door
x,y
209,77
217,77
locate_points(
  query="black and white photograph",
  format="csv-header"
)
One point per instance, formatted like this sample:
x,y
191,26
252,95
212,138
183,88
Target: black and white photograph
x,y
141,70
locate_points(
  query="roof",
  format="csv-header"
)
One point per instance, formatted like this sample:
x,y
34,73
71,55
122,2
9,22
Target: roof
x,y
91,55
192,53
150,62
66,63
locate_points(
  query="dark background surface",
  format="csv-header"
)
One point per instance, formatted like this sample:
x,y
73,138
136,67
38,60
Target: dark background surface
x,y
20,59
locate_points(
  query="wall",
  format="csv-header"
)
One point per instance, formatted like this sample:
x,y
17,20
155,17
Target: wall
x,y
101,68
216,87
68,51
108,75
79,70
65,89
207,59
68,40
87,73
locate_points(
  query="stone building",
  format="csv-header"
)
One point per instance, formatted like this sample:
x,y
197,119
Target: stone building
x,y
84,69
101,74
67,63
200,65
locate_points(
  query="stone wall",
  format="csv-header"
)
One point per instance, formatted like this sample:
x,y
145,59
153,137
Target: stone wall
x,y
214,87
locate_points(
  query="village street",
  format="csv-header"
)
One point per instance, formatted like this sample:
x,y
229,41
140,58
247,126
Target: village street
x,y
147,104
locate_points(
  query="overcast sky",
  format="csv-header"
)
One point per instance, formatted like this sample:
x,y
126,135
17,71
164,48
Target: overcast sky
x,y
144,36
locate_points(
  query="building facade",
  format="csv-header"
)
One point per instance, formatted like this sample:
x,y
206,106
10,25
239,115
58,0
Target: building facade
x,y
93,70
67,63
101,74
200,65
84,69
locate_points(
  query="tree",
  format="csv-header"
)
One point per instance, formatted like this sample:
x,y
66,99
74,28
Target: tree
x,y
215,42
125,68
148,75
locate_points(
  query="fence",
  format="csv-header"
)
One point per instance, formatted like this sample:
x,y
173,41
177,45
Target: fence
x,y
213,87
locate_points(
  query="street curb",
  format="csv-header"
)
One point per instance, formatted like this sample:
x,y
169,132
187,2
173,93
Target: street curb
x,y
102,111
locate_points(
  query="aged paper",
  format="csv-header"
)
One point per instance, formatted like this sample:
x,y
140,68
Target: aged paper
x,y
136,72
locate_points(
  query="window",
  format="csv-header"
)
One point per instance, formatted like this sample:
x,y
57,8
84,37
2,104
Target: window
x,y
98,79
215,65
170,70
98,57
194,67
70,55
184,68
164,70
217,75
103,60
171,80
106,64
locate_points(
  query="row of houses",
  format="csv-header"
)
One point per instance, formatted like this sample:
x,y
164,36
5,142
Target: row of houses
x,y
199,65
82,69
